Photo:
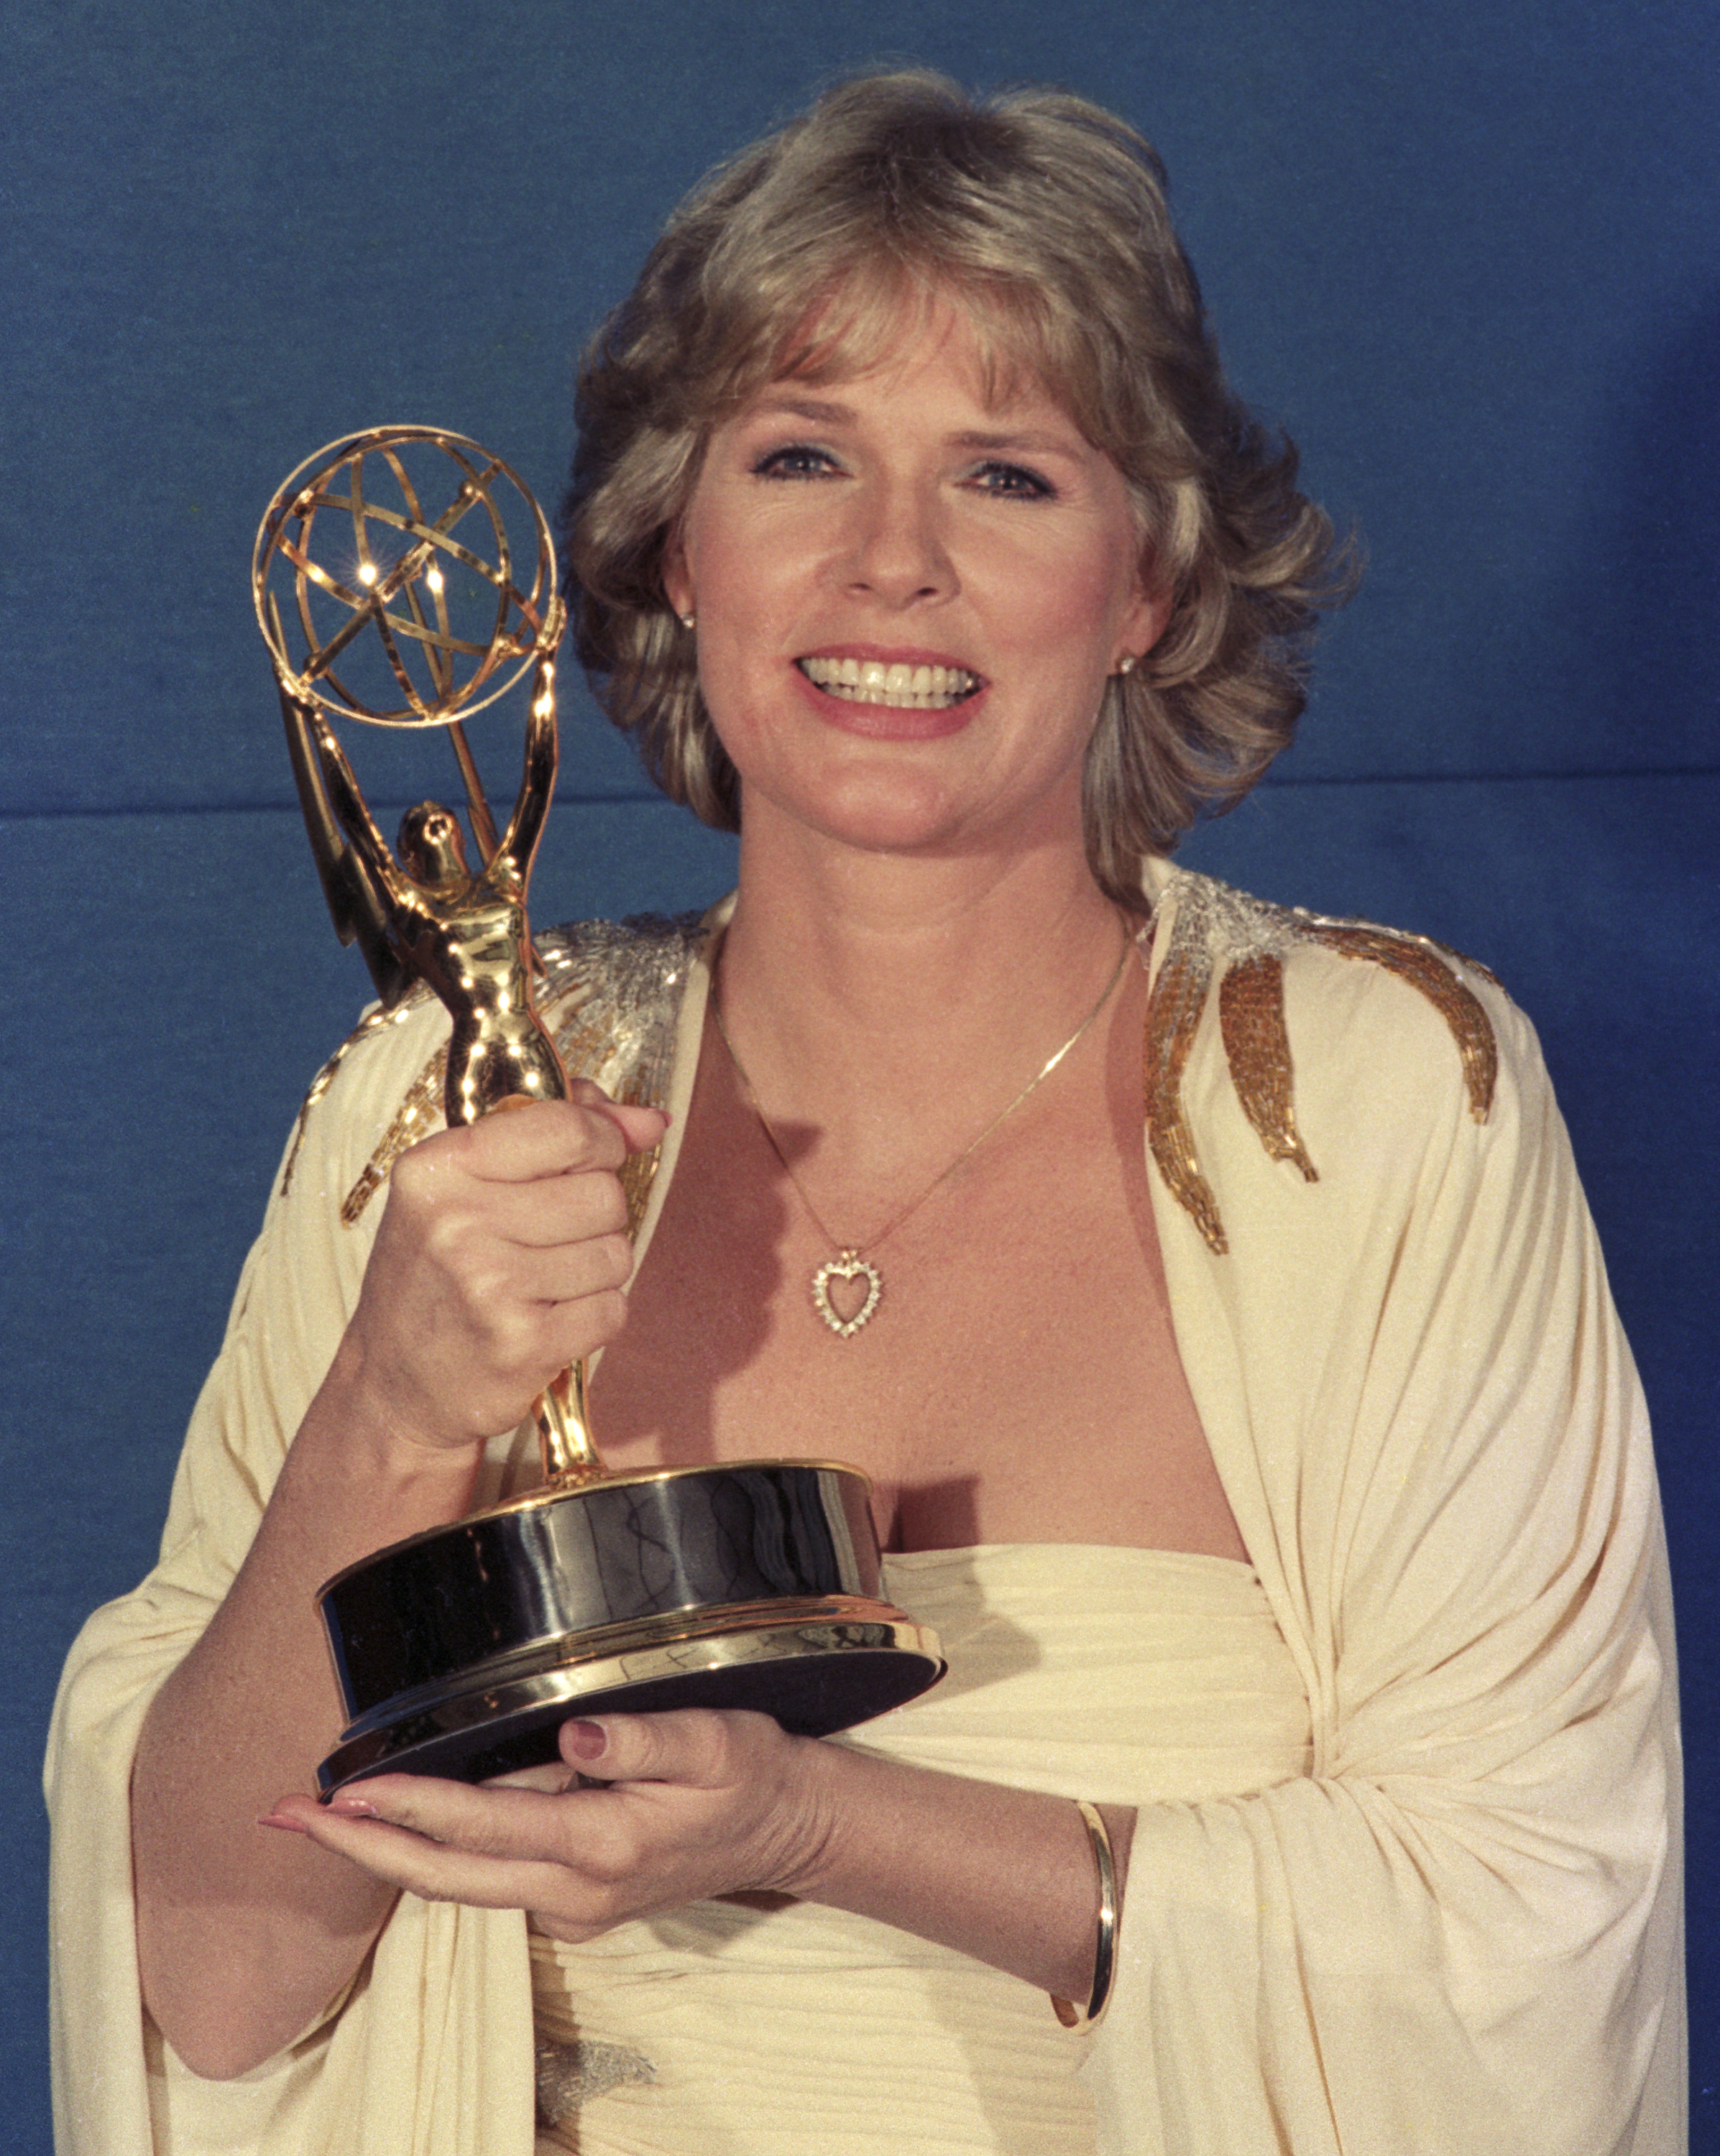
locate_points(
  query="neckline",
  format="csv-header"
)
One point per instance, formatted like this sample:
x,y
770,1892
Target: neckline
x,y
1157,1555
1157,879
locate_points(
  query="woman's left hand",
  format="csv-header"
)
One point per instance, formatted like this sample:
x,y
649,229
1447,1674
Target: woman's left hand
x,y
686,1805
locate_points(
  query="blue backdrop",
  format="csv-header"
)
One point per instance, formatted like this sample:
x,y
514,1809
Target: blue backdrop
x,y
1466,253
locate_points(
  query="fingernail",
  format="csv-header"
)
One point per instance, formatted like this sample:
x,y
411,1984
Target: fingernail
x,y
286,1825
351,1807
585,1740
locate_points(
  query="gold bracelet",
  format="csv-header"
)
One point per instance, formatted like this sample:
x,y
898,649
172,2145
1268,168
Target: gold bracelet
x,y
1105,1938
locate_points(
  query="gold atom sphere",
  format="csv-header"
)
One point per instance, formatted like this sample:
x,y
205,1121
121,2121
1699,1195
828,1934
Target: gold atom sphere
x,y
389,581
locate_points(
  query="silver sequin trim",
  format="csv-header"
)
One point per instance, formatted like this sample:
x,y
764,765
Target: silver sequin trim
x,y
569,2075
610,992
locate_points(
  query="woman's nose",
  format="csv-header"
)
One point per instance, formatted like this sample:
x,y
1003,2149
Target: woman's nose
x,y
899,552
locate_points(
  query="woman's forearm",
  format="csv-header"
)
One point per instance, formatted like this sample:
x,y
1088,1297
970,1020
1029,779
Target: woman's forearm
x,y
665,1809
1005,1876
244,1935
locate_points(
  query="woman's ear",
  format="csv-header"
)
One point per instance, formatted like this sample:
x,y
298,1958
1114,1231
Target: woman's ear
x,y
1146,619
677,578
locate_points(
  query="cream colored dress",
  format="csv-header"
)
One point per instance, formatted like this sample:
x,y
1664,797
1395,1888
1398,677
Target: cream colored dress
x,y
1456,1934
1120,1675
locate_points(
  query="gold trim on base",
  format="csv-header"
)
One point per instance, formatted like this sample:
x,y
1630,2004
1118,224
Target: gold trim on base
x,y
616,1658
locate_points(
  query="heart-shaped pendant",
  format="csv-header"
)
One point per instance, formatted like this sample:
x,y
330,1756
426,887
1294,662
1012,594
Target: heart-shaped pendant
x,y
851,1265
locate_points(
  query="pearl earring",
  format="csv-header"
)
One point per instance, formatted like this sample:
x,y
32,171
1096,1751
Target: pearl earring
x,y
688,620
1126,664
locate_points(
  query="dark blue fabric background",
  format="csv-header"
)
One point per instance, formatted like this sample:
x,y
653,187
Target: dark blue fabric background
x,y
1466,253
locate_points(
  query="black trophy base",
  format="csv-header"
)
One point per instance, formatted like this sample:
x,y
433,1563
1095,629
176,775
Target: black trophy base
x,y
817,1665
752,1584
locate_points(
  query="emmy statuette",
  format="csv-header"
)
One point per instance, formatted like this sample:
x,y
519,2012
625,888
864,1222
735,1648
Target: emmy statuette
x,y
390,582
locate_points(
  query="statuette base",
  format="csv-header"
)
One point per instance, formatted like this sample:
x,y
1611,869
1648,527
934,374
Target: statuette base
x,y
817,1667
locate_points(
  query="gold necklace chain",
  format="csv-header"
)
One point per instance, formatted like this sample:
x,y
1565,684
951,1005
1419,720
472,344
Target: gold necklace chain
x,y
850,1264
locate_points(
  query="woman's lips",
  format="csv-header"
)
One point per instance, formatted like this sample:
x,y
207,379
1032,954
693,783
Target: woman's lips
x,y
884,700
891,685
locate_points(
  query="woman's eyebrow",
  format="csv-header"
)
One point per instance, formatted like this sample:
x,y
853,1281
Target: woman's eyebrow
x,y
1033,442
828,412
821,411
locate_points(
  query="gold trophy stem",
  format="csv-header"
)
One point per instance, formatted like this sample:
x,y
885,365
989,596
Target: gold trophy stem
x,y
422,912
564,1432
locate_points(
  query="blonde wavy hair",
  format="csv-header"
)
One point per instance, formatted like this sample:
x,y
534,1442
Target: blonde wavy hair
x,y
1045,220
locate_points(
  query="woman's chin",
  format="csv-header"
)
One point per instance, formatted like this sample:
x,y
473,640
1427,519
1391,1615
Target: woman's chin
x,y
864,813
901,820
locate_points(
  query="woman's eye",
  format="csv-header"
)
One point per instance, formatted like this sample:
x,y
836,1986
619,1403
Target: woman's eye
x,y
1016,480
794,461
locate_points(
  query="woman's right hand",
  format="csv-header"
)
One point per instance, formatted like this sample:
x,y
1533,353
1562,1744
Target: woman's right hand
x,y
501,1258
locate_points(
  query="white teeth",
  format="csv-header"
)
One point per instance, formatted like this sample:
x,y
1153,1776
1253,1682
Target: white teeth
x,y
897,685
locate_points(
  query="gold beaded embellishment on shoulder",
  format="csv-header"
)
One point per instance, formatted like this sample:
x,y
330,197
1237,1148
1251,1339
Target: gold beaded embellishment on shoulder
x,y
1427,966
1257,1049
373,1022
418,1114
1221,933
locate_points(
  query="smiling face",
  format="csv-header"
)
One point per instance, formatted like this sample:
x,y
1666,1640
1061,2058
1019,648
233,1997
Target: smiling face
x,y
909,595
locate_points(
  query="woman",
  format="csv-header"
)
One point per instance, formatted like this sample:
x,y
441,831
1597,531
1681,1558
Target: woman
x,y
1280,1486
